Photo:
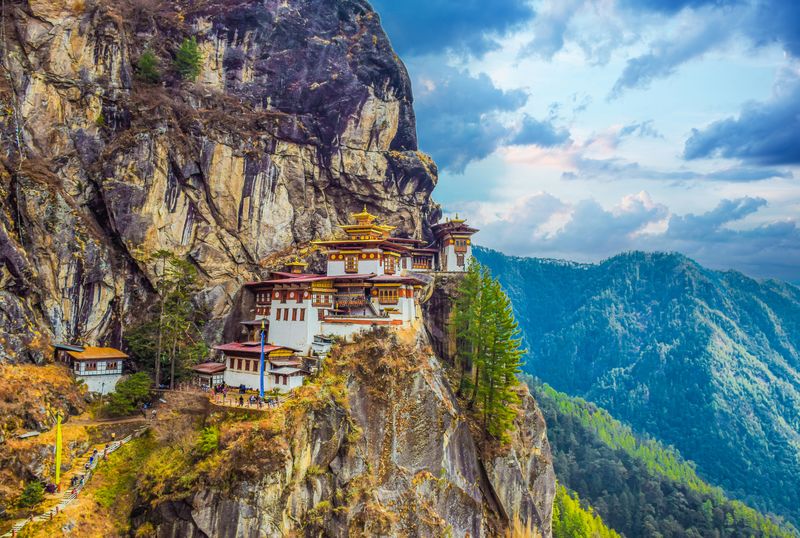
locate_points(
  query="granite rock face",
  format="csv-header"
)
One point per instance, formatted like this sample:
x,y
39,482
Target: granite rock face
x,y
396,457
302,113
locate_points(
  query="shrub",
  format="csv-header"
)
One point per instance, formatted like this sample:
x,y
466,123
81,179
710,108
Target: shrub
x,y
188,59
147,67
32,495
209,441
129,395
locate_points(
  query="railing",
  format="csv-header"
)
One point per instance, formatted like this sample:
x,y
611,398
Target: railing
x,y
355,316
72,493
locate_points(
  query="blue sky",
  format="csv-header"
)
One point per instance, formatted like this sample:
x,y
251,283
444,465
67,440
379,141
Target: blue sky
x,y
582,128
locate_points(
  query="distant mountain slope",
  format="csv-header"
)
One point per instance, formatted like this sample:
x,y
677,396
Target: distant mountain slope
x,y
638,486
704,360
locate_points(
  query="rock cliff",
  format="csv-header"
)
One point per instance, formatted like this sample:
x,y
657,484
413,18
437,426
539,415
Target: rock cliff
x,y
301,114
378,446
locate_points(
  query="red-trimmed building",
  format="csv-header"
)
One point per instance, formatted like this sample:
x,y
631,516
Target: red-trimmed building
x,y
283,369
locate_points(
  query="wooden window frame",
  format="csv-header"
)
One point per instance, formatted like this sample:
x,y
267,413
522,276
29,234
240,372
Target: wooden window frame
x,y
351,263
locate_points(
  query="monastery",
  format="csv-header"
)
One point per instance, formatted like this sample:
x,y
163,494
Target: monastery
x,y
371,279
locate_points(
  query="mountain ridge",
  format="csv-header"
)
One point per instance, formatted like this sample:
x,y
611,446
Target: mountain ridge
x,y
704,360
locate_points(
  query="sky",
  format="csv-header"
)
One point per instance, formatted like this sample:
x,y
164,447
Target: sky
x,y
579,129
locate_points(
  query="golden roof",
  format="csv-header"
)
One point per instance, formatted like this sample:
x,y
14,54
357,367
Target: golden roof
x,y
97,353
364,217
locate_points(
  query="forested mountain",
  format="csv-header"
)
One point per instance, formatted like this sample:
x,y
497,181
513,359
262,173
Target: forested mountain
x,y
638,486
703,360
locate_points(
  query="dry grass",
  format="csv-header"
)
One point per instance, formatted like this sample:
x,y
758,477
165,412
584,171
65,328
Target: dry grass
x,y
31,395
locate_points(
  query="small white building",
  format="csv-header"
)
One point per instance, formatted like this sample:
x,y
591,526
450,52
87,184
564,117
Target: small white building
x,y
209,374
99,367
283,370
454,245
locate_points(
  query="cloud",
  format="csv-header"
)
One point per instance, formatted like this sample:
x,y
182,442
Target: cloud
x,y
696,36
674,6
641,129
544,226
616,169
586,160
763,134
550,28
458,114
547,226
421,27
704,26
776,21
538,133
708,226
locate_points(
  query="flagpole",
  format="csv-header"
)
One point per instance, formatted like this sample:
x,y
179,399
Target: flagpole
x,y
58,451
261,363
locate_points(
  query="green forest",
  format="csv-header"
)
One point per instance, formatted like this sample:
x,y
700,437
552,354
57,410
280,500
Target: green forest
x,y
571,519
638,486
705,361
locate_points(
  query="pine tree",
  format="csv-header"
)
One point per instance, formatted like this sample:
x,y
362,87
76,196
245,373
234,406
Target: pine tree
x,y
500,365
488,350
174,337
188,59
147,67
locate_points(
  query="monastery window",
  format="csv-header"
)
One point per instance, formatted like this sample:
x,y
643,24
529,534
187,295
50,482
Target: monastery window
x,y
387,295
388,267
351,263
91,366
111,365
294,314
460,260
285,380
238,364
302,314
285,314
461,245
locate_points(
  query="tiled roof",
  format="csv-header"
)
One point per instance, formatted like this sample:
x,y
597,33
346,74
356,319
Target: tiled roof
x,y
250,347
209,367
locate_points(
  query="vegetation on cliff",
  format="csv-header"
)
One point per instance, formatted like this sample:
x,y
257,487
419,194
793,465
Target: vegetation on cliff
x,y
637,485
703,360
488,350
171,336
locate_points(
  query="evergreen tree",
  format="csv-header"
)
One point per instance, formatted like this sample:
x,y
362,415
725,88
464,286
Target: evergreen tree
x,y
500,365
188,59
174,337
488,350
147,67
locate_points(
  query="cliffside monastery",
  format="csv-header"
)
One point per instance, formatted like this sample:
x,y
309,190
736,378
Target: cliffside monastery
x,y
371,279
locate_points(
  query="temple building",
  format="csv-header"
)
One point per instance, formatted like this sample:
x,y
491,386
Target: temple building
x,y
100,368
369,281
453,244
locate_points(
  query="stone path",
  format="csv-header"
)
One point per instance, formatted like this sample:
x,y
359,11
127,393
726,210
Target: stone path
x,y
66,498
